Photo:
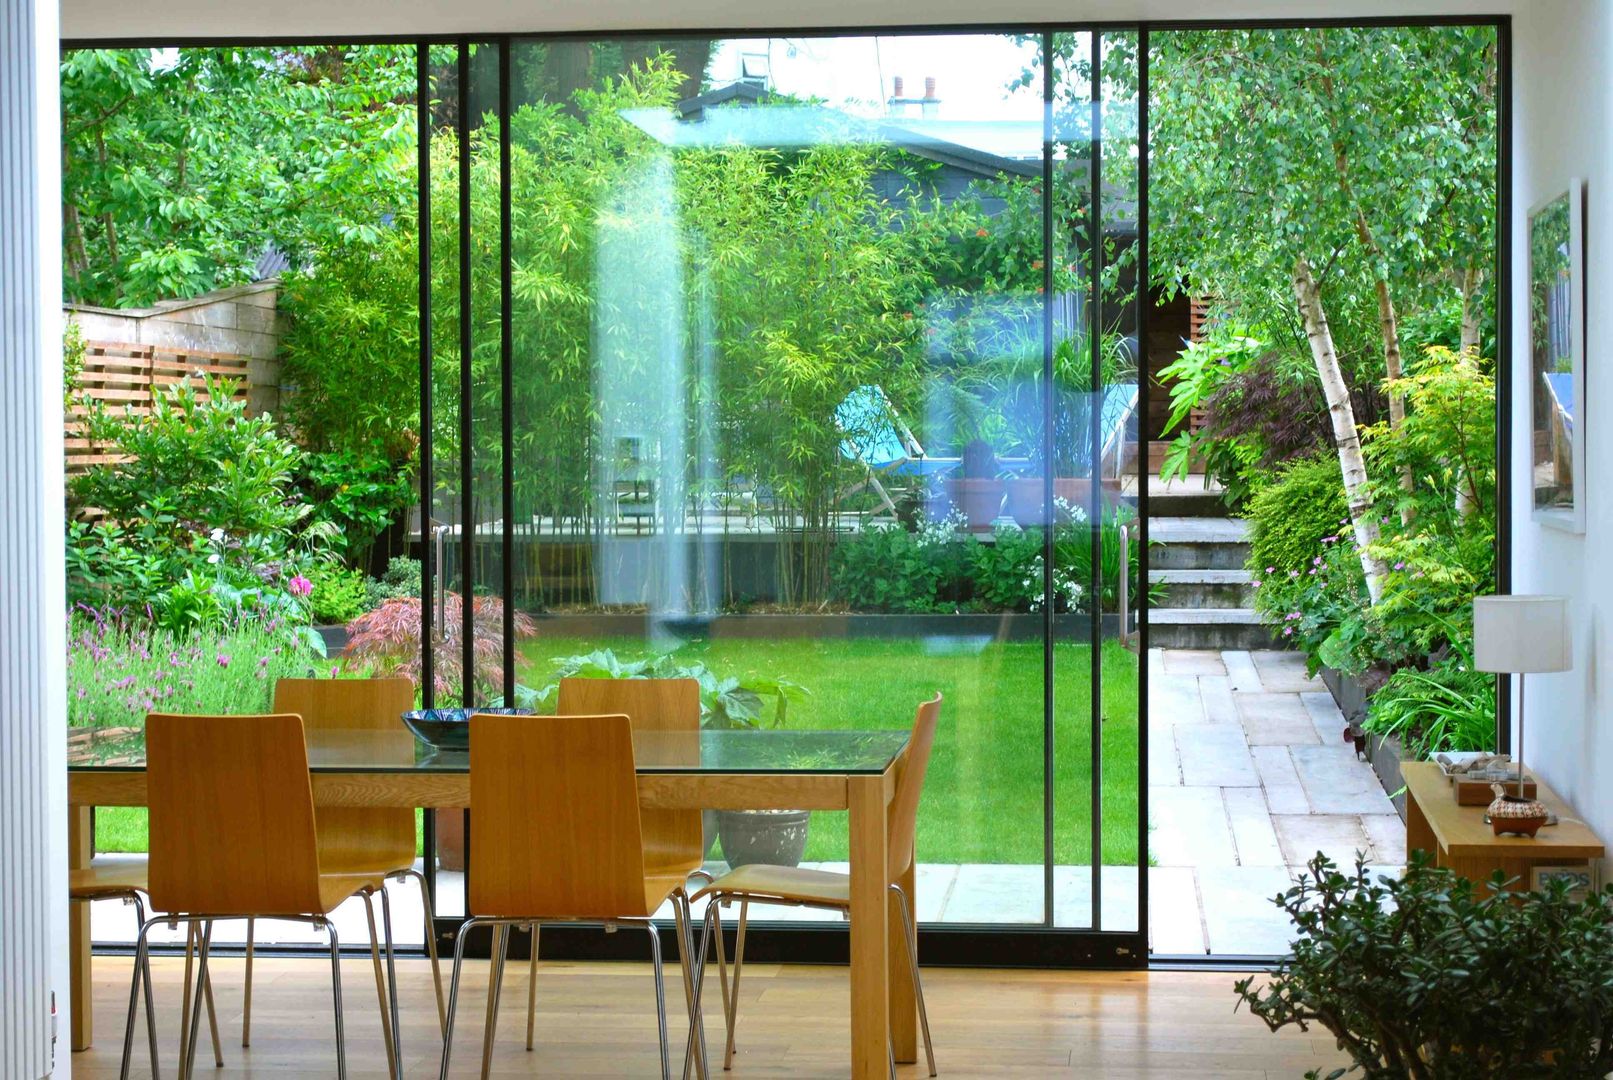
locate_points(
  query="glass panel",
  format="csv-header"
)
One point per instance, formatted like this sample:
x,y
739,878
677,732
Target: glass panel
x,y
777,404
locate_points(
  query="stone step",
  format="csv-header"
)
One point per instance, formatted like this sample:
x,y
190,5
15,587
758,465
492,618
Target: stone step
x,y
1208,628
1187,503
1204,588
1198,543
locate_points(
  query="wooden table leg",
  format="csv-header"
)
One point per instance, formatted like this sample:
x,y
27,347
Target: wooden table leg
x,y
80,848
903,994
870,940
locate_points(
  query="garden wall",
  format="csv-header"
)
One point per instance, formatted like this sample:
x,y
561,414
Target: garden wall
x,y
244,321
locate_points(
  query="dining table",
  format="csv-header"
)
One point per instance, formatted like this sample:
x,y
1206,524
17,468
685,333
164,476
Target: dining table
x,y
718,769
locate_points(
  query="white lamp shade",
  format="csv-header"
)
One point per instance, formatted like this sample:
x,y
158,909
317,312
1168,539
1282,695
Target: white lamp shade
x,y
1521,634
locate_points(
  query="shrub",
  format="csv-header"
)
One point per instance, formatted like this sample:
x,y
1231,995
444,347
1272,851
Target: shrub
x,y
1290,517
1432,975
358,493
119,670
339,595
887,568
402,579
201,521
1448,707
387,640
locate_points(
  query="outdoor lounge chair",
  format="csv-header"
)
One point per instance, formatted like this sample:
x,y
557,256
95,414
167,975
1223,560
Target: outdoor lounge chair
x,y
876,436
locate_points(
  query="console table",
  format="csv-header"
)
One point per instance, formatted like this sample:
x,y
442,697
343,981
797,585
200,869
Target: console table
x,y
1460,838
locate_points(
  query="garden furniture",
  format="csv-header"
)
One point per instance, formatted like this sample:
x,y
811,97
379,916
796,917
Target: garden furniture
x,y
566,786
824,889
744,769
234,836
878,439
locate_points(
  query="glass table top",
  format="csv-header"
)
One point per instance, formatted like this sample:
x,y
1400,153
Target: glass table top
x,y
726,751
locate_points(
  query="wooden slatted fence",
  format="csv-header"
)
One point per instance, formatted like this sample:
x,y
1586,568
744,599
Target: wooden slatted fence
x,y
125,376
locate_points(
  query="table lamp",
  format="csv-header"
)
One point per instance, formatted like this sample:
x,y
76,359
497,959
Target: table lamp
x,y
1520,635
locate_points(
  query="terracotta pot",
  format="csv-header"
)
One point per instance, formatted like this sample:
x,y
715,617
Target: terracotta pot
x,y
1025,497
1510,814
451,840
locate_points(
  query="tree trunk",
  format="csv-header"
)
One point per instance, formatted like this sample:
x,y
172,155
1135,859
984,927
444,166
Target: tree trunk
x,y
1471,277
1351,464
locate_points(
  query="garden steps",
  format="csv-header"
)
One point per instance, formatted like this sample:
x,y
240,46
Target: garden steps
x,y
1198,587
1200,562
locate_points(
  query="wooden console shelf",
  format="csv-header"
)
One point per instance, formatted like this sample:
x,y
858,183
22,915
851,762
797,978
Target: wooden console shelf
x,y
1460,838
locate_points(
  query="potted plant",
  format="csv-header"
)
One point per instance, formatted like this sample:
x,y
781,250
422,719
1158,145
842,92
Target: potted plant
x,y
978,493
726,702
1436,976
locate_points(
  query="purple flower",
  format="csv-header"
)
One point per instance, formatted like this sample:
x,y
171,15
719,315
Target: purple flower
x,y
223,659
1316,561
123,684
1400,566
299,586
1288,631
1271,569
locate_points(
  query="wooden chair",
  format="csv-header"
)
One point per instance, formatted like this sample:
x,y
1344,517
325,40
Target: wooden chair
x,y
358,839
556,836
125,879
233,836
827,890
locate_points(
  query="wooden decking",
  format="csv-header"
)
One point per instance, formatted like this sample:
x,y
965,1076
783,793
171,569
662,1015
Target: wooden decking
x,y
598,1020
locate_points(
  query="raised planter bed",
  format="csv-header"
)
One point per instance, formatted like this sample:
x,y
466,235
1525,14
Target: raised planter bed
x,y
1384,752
1009,627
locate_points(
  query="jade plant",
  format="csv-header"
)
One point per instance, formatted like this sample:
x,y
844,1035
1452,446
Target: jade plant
x,y
1435,977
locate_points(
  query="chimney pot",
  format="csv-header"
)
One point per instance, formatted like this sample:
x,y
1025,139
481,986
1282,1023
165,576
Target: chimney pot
x,y
929,87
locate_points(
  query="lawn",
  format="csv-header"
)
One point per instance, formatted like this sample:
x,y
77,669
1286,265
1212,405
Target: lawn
x,y
983,795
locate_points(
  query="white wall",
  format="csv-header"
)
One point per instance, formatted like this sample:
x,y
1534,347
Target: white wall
x,y
1562,70
181,19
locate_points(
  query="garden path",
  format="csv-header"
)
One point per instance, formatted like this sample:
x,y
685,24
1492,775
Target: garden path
x,y
1249,779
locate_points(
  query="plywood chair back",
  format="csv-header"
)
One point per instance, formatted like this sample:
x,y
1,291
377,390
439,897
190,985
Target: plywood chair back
x,y
555,828
672,838
379,838
904,810
232,815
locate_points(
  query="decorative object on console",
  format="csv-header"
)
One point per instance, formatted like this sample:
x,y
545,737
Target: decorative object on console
x,y
1520,635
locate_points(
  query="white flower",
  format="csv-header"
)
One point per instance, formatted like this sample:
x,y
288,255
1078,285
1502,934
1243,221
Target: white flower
x,y
213,558
217,536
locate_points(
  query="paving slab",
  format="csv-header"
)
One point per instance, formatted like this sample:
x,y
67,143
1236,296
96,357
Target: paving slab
x,y
1239,915
1164,766
1215,755
1190,827
1338,836
991,893
1282,671
1275,719
1072,898
1215,691
1387,834
1325,715
1175,922
1242,674
1194,662
1174,699
1284,793
1251,827
1336,781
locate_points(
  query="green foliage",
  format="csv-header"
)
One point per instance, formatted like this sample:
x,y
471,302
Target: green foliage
x,y
357,494
339,595
179,169
1292,515
1448,707
119,670
1322,608
402,579
1432,975
201,521
1199,370
725,701
72,363
887,568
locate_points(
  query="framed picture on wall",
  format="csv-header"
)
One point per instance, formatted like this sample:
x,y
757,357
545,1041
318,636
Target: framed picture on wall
x,y
1557,359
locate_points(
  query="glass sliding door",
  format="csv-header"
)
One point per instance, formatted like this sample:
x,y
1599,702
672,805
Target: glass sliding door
x,y
800,366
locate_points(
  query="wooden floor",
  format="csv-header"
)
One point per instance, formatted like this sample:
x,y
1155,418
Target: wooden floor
x,y
598,1019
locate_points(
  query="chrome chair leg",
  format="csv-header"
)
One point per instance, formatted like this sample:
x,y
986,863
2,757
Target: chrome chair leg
x,y
212,1013
453,993
660,1001
431,943
142,964
184,1003
246,991
196,1003
336,998
532,989
695,1045
714,909
143,972
392,980
733,990
911,938
495,987
387,1030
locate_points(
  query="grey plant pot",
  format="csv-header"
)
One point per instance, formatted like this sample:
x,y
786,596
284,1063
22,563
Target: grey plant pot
x,y
773,837
708,832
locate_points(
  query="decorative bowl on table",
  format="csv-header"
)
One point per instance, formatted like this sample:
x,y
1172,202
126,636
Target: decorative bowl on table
x,y
449,729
